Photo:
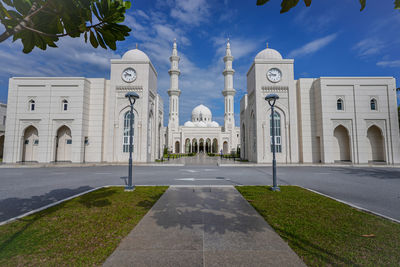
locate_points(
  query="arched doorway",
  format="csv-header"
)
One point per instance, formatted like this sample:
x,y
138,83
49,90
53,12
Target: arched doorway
x,y
63,144
341,144
177,146
376,148
1,146
201,145
215,146
225,147
208,145
187,146
31,144
243,150
194,145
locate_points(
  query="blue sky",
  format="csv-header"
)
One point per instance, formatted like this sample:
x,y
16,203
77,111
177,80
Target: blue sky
x,y
325,39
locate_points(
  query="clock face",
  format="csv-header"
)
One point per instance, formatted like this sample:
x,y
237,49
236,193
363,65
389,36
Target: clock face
x,y
274,75
129,75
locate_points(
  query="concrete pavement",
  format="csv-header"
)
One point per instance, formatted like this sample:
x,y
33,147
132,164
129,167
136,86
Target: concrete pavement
x,y
203,226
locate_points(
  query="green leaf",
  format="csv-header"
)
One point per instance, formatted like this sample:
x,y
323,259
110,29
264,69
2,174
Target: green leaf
x,y
85,37
128,4
288,4
23,6
307,2
93,40
261,2
397,4
362,2
100,39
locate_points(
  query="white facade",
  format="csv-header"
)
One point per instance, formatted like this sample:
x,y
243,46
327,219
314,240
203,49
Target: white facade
x,y
84,120
202,134
322,120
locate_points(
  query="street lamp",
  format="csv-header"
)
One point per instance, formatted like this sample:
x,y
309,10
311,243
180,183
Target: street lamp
x,y
132,96
271,98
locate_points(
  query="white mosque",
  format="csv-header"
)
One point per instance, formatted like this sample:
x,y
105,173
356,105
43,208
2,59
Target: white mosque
x,y
318,120
202,134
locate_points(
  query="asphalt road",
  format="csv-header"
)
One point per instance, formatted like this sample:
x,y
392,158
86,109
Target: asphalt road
x,y
25,189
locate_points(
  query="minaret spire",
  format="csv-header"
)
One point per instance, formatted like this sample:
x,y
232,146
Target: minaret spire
x,y
228,92
174,93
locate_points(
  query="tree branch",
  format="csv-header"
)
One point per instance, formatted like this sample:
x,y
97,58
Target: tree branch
x,y
59,35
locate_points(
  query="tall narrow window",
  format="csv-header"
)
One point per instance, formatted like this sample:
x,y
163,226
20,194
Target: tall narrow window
x,y
31,105
278,137
373,104
64,105
339,104
127,118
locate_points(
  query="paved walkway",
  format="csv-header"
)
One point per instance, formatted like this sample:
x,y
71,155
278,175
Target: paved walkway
x,y
203,226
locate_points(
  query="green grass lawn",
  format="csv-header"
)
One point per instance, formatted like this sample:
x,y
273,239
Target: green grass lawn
x,y
82,231
324,232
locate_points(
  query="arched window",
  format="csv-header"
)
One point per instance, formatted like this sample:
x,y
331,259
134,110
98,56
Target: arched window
x,y
374,104
278,137
64,105
339,104
127,118
32,105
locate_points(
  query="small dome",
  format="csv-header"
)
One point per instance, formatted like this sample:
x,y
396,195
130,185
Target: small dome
x,y
269,54
213,124
201,113
189,124
135,55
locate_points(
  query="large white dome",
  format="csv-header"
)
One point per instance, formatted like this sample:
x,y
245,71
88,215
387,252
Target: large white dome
x,y
135,55
201,113
201,117
269,54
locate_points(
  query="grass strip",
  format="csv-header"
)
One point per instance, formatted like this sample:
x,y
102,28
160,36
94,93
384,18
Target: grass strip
x,y
81,231
324,232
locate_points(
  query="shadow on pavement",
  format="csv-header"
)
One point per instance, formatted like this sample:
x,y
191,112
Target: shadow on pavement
x,y
12,207
371,172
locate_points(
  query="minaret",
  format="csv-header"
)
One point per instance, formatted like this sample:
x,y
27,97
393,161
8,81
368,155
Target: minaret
x,y
174,92
228,92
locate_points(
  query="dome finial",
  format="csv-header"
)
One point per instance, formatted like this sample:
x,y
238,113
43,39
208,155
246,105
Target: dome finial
x,y
267,45
136,45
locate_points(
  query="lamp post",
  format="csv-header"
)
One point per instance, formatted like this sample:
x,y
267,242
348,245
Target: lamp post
x,y
132,96
271,98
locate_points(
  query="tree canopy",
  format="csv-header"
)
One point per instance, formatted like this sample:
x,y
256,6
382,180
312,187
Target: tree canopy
x,y
41,23
286,5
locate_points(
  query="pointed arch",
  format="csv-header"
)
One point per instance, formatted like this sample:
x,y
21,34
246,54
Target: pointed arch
x,y
30,144
341,145
63,144
376,146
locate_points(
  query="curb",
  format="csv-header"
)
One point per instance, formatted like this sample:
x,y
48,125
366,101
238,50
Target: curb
x,y
307,165
15,166
352,205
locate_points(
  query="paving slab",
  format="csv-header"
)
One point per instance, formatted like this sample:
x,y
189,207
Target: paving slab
x,y
203,226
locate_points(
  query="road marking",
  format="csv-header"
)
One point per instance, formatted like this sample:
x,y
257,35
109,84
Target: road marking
x,y
192,171
103,173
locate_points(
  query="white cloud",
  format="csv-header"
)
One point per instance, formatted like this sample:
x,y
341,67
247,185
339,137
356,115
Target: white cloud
x,y
240,47
393,63
313,46
369,46
191,12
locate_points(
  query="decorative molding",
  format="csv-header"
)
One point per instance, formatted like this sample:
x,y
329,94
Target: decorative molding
x,y
347,123
381,123
129,88
275,88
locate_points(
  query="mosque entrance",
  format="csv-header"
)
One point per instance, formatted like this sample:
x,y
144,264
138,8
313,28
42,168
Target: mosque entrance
x,y
201,146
